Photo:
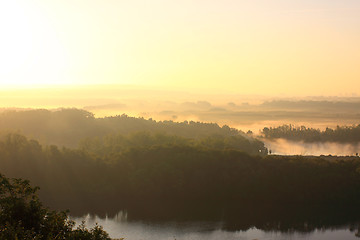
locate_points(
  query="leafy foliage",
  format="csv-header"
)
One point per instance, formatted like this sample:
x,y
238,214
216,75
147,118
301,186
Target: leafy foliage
x,y
22,216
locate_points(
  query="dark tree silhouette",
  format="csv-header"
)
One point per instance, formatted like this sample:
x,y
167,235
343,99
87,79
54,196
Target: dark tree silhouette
x,y
22,216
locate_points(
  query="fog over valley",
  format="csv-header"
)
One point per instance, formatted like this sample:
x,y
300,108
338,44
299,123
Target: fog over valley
x,y
181,120
245,112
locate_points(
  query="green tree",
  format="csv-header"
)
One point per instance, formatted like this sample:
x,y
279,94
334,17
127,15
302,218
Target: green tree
x,y
22,216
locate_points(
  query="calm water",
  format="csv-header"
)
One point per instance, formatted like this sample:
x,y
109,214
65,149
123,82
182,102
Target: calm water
x,y
118,227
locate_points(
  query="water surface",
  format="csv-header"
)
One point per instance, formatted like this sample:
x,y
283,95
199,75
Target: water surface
x,y
119,226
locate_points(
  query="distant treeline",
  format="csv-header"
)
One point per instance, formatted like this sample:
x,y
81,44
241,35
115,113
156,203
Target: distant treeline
x,y
68,127
341,134
183,179
118,143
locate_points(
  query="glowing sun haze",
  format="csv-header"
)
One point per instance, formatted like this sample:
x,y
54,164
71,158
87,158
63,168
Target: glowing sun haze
x,y
258,46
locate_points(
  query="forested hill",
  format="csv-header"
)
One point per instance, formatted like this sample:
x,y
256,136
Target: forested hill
x,y
176,180
70,127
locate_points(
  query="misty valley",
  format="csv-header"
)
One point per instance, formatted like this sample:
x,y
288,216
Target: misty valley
x,y
147,179
179,120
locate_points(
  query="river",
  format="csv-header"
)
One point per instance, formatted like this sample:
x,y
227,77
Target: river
x,y
119,227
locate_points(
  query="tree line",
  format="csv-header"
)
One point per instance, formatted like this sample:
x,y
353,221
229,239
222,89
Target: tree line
x,y
67,127
341,134
116,143
174,180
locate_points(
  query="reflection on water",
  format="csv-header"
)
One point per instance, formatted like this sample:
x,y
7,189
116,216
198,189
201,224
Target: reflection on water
x,y
118,226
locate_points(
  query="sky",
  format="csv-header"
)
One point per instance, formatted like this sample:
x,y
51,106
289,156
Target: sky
x,y
298,47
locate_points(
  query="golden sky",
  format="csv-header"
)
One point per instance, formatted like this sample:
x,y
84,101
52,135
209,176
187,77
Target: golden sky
x,y
299,47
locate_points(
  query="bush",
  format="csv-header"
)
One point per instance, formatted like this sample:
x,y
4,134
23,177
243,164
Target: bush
x,y
22,216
